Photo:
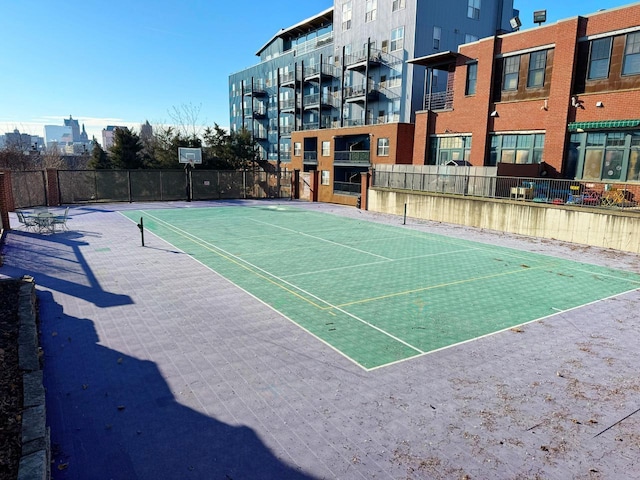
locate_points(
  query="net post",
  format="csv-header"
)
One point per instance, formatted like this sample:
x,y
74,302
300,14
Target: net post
x,y
141,227
404,220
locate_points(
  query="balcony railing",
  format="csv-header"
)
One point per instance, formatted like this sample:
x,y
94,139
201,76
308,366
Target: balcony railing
x,y
286,130
314,43
439,100
361,157
347,188
288,104
287,78
310,158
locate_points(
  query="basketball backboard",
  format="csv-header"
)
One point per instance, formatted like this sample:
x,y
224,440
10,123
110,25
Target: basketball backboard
x,y
190,155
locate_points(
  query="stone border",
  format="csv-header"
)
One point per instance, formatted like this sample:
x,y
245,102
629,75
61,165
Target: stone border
x,y
35,462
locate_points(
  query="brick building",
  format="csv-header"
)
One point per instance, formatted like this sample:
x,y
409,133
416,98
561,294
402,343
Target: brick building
x,y
562,99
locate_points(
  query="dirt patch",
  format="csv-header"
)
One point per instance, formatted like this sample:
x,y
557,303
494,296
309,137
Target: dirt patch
x,y
10,381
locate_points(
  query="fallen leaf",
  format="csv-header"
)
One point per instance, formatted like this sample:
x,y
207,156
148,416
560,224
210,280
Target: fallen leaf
x,y
63,466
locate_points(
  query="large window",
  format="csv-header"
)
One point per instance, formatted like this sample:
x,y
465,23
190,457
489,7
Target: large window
x,y
397,39
472,78
437,35
517,148
326,148
450,149
297,149
397,5
346,15
537,65
599,58
631,62
371,8
473,9
383,147
510,74
611,156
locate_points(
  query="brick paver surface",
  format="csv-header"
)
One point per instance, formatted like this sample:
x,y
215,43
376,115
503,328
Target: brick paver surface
x,y
157,367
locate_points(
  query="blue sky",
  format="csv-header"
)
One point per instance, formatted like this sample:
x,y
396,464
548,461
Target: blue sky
x,y
124,62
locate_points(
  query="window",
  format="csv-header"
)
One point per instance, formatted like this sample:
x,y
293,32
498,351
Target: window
x,y
468,38
326,148
346,15
397,5
371,8
297,149
448,149
510,75
473,9
599,58
383,147
397,39
437,35
631,62
517,148
325,177
472,78
537,65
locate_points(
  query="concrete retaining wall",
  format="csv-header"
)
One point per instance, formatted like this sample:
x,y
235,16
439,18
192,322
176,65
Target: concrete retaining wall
x,y
614,229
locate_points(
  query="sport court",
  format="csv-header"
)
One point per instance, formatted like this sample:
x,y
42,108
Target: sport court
x,y
376,293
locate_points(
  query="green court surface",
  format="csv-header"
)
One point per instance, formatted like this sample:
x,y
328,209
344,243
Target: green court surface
x,y
376,293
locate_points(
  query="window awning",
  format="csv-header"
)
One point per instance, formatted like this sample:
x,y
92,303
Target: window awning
x,y
603,124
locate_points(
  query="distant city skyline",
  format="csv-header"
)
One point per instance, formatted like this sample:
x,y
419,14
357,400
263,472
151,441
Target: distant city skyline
x,y
125,69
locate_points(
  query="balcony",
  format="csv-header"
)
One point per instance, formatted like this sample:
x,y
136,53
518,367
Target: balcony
x,y
288,105
360,60
439,101
316,72
352,158
360,93
287,79
314,43
310,158
285,130
315,101
347,188
260,134
257,89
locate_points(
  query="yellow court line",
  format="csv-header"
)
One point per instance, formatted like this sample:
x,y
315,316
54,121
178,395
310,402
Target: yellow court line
x,y
230,258
433,287
217,251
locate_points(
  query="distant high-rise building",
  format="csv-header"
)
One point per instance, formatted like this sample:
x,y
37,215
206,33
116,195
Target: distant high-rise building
x,y
17,140
108,134
75,128
56,135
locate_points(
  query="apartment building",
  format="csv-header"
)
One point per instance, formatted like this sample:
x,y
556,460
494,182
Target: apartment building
x,y
334,94
559,100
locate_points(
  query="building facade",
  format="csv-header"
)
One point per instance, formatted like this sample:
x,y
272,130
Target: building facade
x,y
334,94
561,99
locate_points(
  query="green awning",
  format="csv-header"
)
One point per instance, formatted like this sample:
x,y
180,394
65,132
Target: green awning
x,y
602,125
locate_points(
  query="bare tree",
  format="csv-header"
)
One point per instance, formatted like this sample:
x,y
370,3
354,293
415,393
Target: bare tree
x,y
51,158
186,120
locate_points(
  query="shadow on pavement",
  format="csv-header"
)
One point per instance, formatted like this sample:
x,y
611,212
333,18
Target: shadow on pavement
x,y
113,416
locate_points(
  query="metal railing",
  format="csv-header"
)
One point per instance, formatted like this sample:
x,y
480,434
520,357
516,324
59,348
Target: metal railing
x,y
577,193
439,100
310,157
347,188
352,157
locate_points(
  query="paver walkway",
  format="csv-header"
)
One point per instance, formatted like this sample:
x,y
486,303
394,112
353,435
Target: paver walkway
x,y
157,367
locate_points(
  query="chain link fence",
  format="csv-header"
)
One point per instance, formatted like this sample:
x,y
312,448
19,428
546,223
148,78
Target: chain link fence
x,y
85,186
29,188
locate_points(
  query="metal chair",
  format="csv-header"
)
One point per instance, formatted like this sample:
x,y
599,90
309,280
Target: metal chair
x,y
28,222
61,220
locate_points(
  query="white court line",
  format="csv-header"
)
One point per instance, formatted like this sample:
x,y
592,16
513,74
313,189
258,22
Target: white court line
x,y
359,265
321,239
188,235
321,340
